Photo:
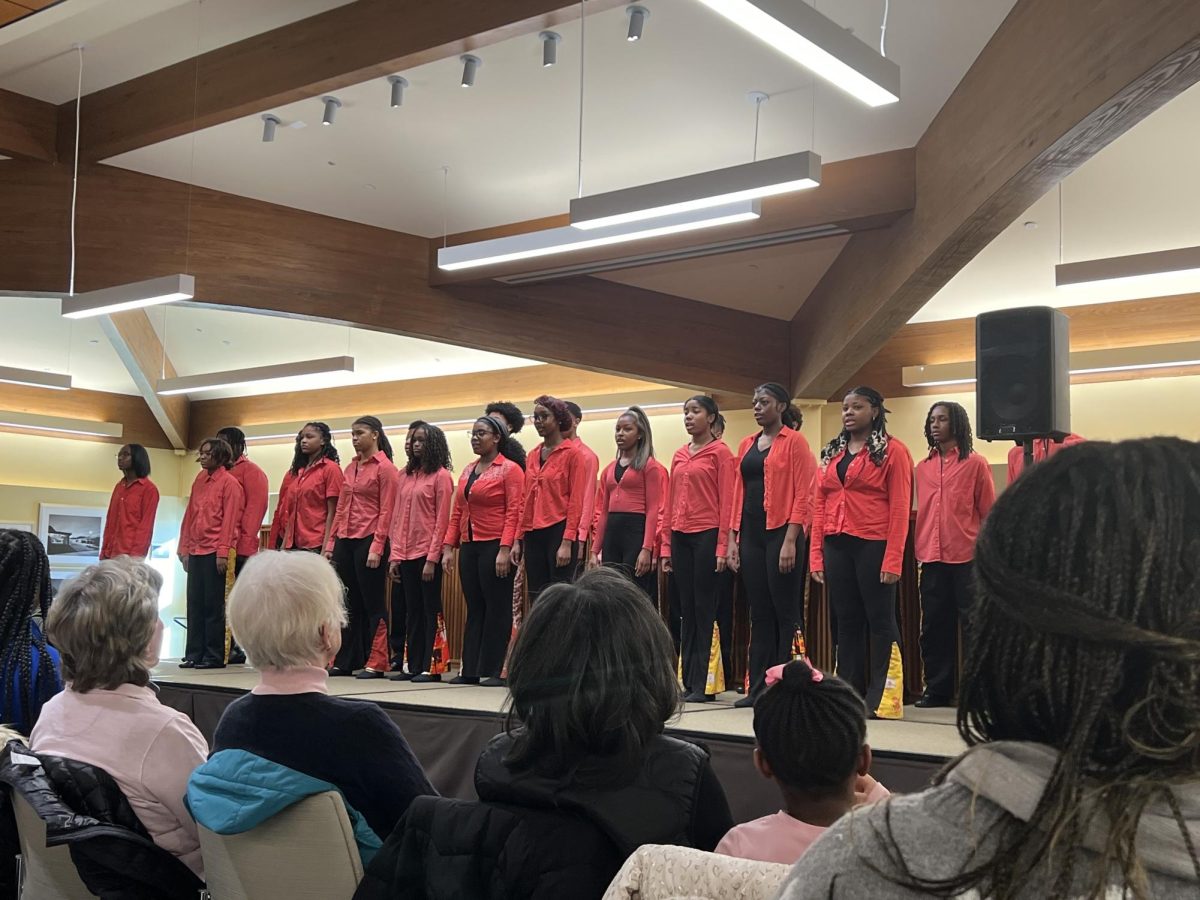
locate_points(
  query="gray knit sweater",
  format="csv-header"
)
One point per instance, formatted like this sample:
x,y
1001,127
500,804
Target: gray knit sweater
x,y
945,829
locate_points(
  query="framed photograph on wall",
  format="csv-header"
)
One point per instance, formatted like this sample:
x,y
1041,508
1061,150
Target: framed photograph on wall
x,y
71,534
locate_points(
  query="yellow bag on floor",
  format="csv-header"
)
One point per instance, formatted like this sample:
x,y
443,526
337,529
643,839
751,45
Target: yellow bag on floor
x,y
714,682
891,705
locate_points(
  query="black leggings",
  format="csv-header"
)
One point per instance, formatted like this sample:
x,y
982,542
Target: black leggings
x,y
422,601
694,561
865,607
366,599
945,599
623,538
489,609
774,598
541,548
205,610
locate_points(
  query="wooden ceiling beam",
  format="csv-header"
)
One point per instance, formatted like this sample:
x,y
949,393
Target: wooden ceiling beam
x,y
343,46
1058,81
855,194
28,128
140,349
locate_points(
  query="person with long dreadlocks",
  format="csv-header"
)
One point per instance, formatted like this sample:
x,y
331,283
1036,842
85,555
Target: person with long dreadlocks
x,y
1080,702
954,493
29,667
860,523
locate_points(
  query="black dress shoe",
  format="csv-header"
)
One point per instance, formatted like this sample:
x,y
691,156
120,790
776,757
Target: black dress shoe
x,y
366,674
929,701
237,659
696,697
493,682
401,676
464,679
426,679
210,664
744,702
335,672
187,664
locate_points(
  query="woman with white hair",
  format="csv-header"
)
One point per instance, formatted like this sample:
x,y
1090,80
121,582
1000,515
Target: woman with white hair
x,y
287,612
105,624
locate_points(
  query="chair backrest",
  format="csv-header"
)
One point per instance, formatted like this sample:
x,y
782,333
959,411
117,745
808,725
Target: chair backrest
x,y
49,872
306,852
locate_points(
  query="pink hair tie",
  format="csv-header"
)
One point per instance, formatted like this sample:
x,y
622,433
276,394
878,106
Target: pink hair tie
x,y
775,674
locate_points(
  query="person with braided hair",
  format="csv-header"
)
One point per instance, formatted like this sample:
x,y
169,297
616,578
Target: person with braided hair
x,y
29,667
1080,702
811,734
309,493
860,524
954,493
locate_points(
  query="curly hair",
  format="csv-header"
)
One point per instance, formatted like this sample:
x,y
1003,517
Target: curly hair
x,y
437,451
510,412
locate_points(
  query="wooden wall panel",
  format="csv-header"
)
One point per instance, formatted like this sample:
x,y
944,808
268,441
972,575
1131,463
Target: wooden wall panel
x,y
140,426
28,127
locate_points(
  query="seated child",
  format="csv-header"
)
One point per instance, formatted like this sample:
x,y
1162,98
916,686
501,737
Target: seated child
x,y
811,732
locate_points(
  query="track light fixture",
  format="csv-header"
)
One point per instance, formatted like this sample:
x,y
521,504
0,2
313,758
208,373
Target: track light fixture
x,y
332,104
270,122
471,65
398,83
550,41
637,21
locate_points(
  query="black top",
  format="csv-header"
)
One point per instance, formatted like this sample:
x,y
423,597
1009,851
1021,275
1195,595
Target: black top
x,y
753,504
844,464
619,472
352,744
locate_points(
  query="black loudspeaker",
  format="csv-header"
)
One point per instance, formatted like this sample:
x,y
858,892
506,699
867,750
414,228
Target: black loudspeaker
x,y
1022,374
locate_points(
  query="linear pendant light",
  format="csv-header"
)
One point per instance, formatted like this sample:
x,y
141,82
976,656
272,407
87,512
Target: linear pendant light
x,y
30,378
765,178
213,381
567,239
166,289
1136,270
59,424
819,44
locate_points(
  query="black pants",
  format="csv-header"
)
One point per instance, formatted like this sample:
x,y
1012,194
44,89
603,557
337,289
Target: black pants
x,y
421,601
724,617
694,560
863,605
205,610
541,550
945,599
674,623
623,537
366,599
775,599
489,609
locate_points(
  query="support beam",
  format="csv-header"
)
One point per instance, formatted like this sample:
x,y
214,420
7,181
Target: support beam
x,y
343,46
28,127
369,277
137,343
1058,81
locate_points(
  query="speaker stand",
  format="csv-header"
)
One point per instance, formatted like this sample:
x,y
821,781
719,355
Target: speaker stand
x,y
1027,448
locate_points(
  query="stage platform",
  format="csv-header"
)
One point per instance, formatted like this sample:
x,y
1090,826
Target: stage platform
x,y
447,725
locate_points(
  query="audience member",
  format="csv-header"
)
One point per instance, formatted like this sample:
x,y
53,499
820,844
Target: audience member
x,y
1080,700
28,665
287,612
811,731
105,623
582,774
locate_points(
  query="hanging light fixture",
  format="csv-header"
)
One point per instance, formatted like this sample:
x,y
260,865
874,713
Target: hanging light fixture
x,y
59,424
30,378
151,292
637,16
398,83
568,239
471,65
270,123
213,381
819,44
550,41
332,105
1144,274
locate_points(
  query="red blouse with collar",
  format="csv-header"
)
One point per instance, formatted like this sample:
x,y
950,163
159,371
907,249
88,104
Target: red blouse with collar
x,y
637,492
493,508
789,473
366,503
700,494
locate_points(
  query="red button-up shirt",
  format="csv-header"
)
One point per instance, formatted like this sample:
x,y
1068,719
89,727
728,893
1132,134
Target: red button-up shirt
x,y
255,491
1043,448
873,504
789,473
213,519
302,510
423,503
637,492
129,526
555,489
953,496
493,510
700,494
366,503
589,469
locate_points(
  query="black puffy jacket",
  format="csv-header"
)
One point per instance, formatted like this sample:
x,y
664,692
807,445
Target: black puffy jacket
x,y
83,807
538,837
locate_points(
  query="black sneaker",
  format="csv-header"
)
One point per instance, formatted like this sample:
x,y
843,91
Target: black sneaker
x,y
928,701
187,664
696,697
366,674
464,679
400,676
493,682
744,702
426,679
